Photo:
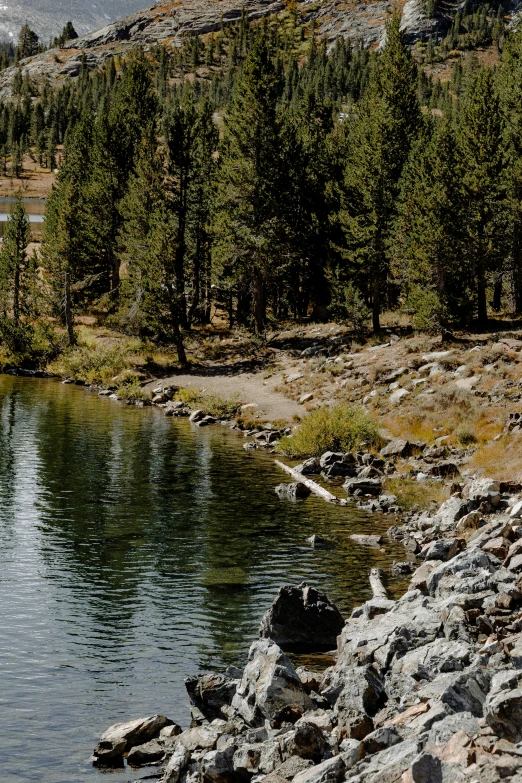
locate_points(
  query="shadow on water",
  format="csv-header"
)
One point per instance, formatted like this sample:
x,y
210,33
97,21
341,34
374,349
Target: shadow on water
x,y
137,550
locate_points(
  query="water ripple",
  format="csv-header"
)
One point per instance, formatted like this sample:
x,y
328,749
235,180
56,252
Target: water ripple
x,y
135,551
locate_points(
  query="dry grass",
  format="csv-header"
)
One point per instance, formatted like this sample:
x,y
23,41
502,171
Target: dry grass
x,y
500,459
411,493
454,412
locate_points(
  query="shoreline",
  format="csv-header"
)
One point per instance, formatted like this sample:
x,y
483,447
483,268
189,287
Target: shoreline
x,y
424,688
428,684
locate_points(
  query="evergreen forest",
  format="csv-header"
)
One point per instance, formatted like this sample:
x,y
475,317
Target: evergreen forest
x,y
263,172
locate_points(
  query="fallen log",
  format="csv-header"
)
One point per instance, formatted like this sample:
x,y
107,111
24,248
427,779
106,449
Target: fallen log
x,y
312,486
378,588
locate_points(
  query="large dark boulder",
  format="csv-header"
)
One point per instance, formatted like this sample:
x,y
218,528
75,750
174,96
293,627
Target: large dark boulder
x,y
302,619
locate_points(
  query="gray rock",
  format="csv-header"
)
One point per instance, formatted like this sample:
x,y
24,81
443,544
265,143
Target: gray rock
x,y
309,467
262,757
503,712
329,771
217,767
396,448
210,692
306,740
461,692
121,737
109,753
443,549
301,618
450,512
428,768
269,683
196,416
147,753
445,728
381,738
388,765
448,577
444,469
178,763
318,541
292,767
367,540
199,737
363,486
292,491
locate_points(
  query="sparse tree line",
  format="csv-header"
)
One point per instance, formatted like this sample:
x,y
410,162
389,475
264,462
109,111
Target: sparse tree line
x,y
257,171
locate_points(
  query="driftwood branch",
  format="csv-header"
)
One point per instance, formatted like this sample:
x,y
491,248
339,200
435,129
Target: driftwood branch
x,y
378,588
312,486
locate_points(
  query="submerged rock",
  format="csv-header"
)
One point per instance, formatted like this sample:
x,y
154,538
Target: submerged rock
x,y
301,618
292,491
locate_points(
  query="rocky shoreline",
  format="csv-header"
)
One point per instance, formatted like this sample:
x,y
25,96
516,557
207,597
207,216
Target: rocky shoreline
x,y
424,689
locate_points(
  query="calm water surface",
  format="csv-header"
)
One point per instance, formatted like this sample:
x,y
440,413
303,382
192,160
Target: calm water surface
x,y
136,550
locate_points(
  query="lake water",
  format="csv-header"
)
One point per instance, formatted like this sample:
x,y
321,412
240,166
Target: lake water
x,y
136,550
35,209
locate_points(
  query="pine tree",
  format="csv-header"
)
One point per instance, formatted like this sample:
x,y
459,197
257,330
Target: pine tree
x,y
192,140
14,262
27,43
479,130
427,241
151,300
509,83
387,124
247,224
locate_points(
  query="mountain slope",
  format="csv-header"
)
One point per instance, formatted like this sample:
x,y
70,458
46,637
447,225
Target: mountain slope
x,y
47,17
170,21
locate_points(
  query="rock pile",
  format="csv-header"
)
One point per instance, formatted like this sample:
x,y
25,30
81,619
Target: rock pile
x,y
424,689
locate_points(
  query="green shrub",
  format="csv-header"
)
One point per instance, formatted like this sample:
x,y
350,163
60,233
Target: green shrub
x,y
341,428
217,406
466,437
92,364
131,389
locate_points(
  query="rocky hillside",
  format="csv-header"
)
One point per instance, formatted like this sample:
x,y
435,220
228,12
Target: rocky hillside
x,y
169,22
47,17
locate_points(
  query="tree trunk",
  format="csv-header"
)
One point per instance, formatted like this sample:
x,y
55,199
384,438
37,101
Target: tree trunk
x,y
180,348
181,249
497,294
376,304
259,302
482,305
115,280
196,284
517,278
16,294
68,311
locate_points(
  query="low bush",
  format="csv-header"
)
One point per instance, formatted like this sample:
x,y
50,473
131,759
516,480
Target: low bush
x,y
217,406
130,388
96,364
341,428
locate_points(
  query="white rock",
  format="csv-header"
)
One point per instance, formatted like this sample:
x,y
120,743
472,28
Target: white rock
x,y
397,396
434,356
379,347
176,766
516,511
468,383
